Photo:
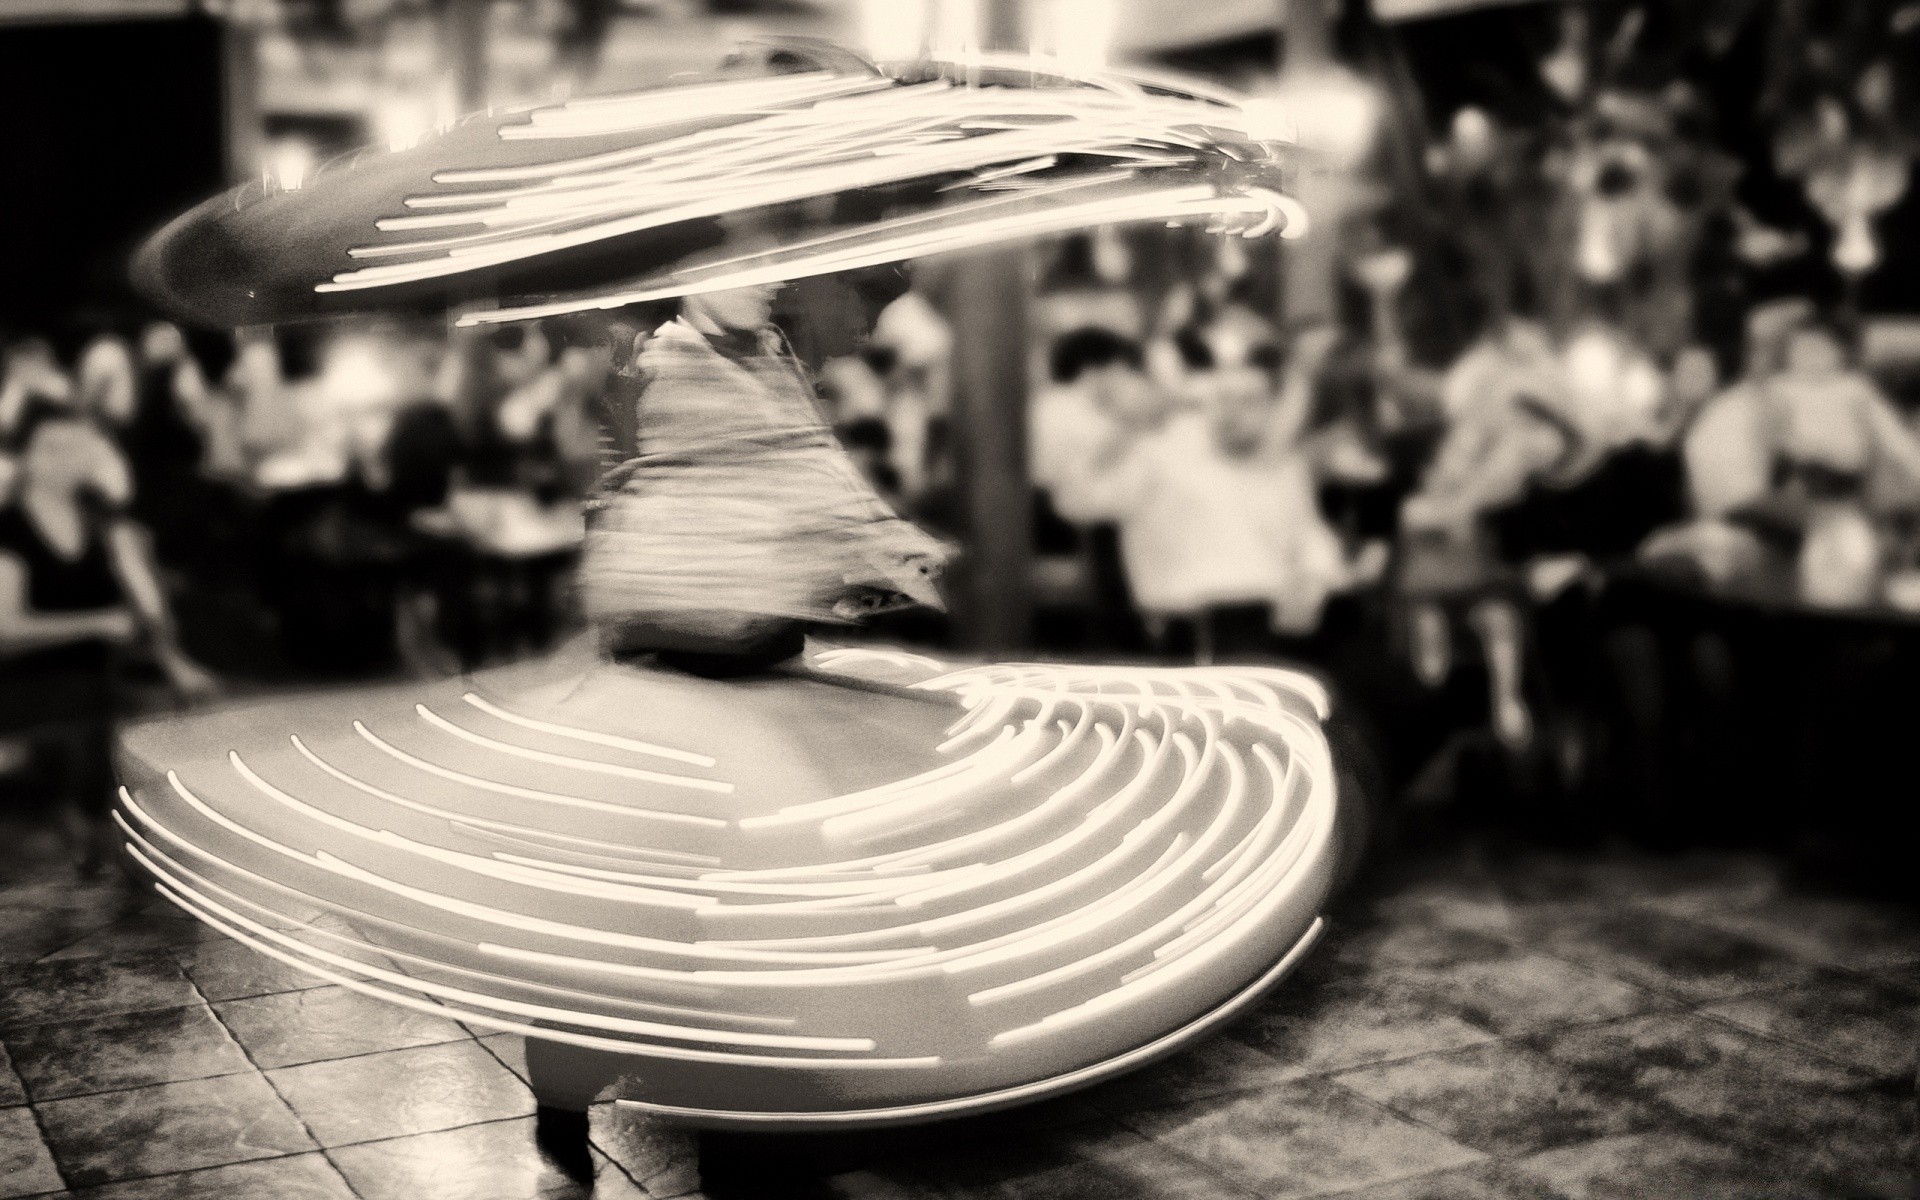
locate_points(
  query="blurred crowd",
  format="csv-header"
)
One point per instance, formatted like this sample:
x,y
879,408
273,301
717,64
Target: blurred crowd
x,y
182,515
1606,567
1486,554
256,461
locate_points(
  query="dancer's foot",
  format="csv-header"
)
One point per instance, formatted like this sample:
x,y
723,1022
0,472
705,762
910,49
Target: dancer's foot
x,y
561,1135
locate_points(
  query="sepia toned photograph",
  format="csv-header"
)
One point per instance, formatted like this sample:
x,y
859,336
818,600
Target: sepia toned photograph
x,y
960,600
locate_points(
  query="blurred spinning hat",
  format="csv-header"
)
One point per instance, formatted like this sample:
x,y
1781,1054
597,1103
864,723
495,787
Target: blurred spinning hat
x,y
604,201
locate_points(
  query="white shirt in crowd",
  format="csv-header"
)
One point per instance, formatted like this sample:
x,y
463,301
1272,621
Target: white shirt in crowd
x,y
1201,529
1837,420
1066,429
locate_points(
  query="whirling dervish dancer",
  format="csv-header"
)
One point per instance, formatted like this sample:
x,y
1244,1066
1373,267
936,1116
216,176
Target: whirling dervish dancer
x,y
738,517
862,887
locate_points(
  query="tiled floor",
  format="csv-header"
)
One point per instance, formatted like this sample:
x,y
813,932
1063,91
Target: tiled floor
x,y
1493,1022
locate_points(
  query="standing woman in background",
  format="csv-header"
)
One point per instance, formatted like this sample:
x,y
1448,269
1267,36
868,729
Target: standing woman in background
x,y
77,585
165,443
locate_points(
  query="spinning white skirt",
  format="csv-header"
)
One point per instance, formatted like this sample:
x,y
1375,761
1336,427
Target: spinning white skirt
x,y
875,889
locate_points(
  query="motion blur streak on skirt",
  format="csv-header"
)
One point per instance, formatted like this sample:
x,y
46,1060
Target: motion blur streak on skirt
x,y
904,885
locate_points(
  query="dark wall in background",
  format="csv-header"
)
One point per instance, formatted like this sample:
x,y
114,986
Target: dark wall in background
x,y
112,127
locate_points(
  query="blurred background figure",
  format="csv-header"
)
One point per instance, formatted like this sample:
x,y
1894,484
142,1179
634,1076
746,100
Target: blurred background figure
x,y
78,586
1095,379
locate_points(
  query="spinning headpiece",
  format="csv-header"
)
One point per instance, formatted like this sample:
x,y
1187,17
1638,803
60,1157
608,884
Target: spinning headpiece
x,y
605,201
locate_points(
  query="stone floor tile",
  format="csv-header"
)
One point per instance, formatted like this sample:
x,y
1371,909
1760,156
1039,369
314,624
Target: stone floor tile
x,y
50,901
224,969
1666,1164
1148,1168
1104,1162
873,1184
1737,1087
126,1050
1837,930
288,1028
1302,1139
1519,992
421,1089
1796,1081
146,931
1487,984
1446,909
495,1161
1409,943
1865,1024
31,931
170,1127
1503,1099
26,1169
1352,1020
511,1050
296,1177
1679,957
1906,978
1215,1067
90,987
1439,886
11,1090
664,1158
1481,1181
1616,875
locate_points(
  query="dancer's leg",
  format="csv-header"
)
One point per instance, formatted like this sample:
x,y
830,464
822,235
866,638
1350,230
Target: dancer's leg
x,y
566,1080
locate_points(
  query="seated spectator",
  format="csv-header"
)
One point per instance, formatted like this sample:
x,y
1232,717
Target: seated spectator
x,y
1090,370
108,388
1835,430
30,372
1613,388
1770,457
1095,375
1337,428
1726,449
1213,534
1622,478
853,386
918,375
1505,402
77,584
258,384
869,441
1085,288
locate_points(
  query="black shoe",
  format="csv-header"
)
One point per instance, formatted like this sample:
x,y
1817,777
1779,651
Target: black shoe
x,y
562,1137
